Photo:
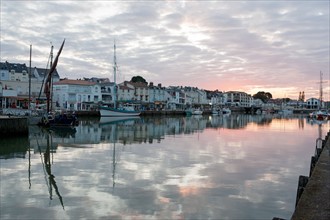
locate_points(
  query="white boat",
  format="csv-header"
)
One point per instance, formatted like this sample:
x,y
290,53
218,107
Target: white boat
x,y
196,111
106,111
320,115
117,112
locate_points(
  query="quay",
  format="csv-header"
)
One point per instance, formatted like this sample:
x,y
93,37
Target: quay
x,y
313,193
13,126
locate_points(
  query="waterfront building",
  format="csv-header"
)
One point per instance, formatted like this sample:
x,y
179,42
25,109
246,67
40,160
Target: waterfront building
x,y
107,93
157,96
14,85
216,98
141,91
76,94
176,99
240,99
126,92
314,103
196,97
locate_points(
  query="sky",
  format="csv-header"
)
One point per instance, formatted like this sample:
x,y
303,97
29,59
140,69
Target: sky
x,y
272,46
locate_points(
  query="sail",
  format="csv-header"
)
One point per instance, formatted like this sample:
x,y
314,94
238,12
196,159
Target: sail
x,y
50,74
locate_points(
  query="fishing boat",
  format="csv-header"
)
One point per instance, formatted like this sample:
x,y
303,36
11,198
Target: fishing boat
x,y
125,110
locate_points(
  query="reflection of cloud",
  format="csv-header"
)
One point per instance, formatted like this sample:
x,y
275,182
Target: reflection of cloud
x,y
231,173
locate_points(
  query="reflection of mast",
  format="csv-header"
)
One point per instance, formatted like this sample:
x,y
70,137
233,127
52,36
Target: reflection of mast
x,y
29,170
47,169
114,163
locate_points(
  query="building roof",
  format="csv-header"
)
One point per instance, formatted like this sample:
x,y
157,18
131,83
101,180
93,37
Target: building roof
x,y
42,72
138,84
3,66
74,82
17,67
124,87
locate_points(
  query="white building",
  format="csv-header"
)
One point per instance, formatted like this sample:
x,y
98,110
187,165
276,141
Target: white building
x,y
14,80
126,92
76,94
240,99
157,96
314,103
107,93
176,98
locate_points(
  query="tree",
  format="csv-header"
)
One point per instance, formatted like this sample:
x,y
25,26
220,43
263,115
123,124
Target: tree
x,y
138,79
264,96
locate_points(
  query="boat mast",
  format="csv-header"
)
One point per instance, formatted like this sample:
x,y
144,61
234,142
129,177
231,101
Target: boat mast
x,y
29,102
321,90
114,74
51,79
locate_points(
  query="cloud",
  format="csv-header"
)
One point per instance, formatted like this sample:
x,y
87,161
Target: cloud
x,y
209,44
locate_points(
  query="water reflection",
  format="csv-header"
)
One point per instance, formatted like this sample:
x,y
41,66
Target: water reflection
x,y
206,167
46,156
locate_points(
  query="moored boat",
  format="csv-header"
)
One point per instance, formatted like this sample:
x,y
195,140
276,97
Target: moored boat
x,y
195,111
226,111
127,110
117,112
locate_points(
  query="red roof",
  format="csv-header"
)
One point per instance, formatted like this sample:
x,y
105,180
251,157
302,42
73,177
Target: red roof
x,y
74,82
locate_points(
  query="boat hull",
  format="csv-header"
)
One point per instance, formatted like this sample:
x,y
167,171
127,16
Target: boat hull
x,y
111,112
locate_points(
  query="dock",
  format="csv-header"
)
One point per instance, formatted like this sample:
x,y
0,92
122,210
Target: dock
x,y
313,193
13,126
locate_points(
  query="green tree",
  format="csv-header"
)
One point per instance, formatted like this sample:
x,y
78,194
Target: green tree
x,y
138,79
264,96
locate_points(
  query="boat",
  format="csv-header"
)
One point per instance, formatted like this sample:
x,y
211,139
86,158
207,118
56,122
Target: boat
x,y
51,118
226,111
59,119
195,111
126,110
320,114
106,111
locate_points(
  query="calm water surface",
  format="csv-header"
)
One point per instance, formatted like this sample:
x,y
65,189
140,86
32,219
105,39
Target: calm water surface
x,y
210,167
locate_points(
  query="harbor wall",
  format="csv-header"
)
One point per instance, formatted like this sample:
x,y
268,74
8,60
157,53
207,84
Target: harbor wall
x,y
13,126
313,192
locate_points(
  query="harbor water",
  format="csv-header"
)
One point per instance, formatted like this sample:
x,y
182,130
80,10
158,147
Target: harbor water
x,y
199,167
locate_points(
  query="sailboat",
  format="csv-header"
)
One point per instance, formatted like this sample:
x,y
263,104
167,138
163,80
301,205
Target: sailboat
x,y
52,119
320,114
127,110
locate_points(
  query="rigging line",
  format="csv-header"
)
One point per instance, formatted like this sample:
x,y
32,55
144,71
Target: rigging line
x,y
46,73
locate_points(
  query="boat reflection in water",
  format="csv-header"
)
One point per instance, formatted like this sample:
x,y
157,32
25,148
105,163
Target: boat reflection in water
x,y
46,156
205,167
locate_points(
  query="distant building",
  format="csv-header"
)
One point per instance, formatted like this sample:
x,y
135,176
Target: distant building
x,y
313,103
240,99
